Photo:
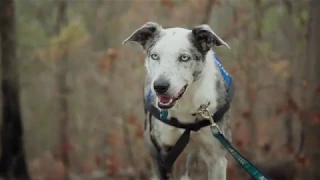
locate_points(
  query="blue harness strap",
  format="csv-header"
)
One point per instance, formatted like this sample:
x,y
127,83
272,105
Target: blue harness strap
x,y
227,78
149,96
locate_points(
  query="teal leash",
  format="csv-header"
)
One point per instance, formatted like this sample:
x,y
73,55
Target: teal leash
x,y
254,172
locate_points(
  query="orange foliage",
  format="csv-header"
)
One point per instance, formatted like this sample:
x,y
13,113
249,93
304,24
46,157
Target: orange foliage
x,y
107,61
195,5
291,149
281,109
292,105
115,140
315,119
239,143
251,95
281,67
305,83
167,3
66,147
235,69
113,165
302,115
246,113
302,161
132,119
238,124
113,53
58,170
317,89
139,131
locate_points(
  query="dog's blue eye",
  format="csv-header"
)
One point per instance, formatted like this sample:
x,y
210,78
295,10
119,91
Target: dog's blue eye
x,y
184,58
154,57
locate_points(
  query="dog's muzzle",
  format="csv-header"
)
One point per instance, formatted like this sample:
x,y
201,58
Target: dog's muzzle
x,y
167,102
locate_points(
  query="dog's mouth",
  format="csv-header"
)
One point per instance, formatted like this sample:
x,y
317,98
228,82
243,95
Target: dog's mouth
x,y
167,102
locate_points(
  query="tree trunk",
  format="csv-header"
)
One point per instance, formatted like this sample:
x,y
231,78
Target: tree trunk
x,y
12,162
100,35
207,12
311,70
250,91
63,89
61,19
288,119
258,19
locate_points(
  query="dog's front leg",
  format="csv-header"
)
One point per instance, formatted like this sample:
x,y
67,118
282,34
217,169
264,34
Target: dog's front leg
x,y
161,172
190,159
217,168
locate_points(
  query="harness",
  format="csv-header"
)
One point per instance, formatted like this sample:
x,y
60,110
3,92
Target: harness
x,y
166,162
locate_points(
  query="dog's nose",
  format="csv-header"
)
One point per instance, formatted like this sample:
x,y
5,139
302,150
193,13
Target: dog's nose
x,y
161,85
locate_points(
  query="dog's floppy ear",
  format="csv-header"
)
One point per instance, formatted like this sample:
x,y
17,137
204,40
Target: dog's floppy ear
x,y
144,34
205,38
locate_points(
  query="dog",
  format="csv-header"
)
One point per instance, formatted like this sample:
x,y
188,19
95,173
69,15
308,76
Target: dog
x,y
182,75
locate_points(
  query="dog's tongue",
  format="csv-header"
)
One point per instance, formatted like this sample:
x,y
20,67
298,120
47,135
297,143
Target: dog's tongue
x,y
164,99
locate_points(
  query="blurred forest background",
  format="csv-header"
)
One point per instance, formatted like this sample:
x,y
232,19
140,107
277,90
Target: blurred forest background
x,y
71,92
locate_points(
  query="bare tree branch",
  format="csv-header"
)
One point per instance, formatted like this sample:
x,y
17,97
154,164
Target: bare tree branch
x,y
63,88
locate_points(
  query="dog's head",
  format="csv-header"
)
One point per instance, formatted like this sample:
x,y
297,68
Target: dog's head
x,y
175,57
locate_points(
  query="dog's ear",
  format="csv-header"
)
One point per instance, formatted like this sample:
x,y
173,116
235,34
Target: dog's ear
x,y
205,38
144,34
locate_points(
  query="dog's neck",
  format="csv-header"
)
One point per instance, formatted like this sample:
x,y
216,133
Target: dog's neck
x,y
202,91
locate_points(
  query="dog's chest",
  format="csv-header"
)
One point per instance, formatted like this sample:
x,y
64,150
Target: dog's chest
x,y
167,135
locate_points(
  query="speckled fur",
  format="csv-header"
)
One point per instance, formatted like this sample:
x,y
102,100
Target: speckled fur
x,y
205,84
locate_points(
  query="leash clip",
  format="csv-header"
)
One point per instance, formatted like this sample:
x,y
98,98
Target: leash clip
x,y
203,111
